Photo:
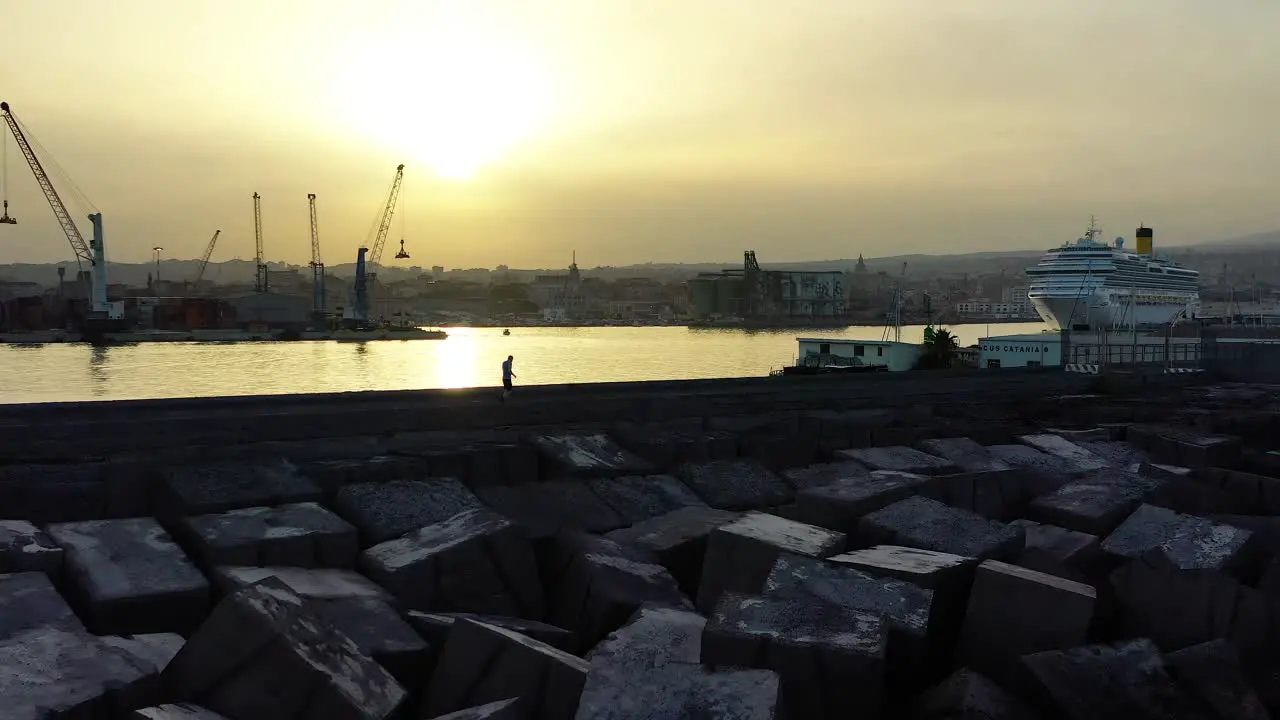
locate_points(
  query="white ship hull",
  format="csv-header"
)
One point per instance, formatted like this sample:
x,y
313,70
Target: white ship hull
x,y
1107,309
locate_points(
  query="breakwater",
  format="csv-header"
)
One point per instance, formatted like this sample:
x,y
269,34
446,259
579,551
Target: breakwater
x,y
921,545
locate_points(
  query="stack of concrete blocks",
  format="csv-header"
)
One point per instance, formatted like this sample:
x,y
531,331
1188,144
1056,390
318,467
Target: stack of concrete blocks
x,y
836,564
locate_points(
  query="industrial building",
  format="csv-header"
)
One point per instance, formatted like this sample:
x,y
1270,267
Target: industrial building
x,y
752,293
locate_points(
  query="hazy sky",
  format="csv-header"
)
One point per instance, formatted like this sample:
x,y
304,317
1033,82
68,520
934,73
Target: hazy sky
x,y
635,130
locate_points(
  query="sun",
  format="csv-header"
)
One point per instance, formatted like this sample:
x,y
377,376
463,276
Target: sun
x,y
452,103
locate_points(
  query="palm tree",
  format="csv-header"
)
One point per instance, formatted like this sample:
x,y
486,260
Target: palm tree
x,y
939,350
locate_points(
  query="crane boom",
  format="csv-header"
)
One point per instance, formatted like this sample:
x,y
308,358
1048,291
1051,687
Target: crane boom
x,y
315,232
204,259
380,237
260,277
317,265
78,245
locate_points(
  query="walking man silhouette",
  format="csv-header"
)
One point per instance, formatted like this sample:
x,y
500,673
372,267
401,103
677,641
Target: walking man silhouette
x,y
506,378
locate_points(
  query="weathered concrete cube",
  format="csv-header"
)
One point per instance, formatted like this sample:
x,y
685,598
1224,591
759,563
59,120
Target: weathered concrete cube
x,y
1075,458
1265,529
666,447
741,554
476,561
1095,505
203,489
1101,682
435,628
549,508
1184,446
1114,453
678,540
302,535
821,474
307,583
965,453
737,484
129,577
483,663
1050,470
900,458
916,638
830,657
1058,551
993,494
178,711
332,475
840,505
28,601
51,672
1211,673
595,584
264,653
379,631
930,525
652,665
383,511
1191,543
578,457
67,492
509,709
641,497
1253,494
968,695
25,547
1014,611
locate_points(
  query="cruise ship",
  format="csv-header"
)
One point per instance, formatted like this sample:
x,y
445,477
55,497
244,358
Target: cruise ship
x,y
1090,285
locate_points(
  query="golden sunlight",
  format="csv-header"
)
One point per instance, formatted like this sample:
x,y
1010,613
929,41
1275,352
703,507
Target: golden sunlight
x,y
454,104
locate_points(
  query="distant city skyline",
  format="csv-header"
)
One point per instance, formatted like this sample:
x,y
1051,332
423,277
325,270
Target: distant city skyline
x,y
639,130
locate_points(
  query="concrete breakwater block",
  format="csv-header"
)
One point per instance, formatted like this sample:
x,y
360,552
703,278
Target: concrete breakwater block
x,y
1107,682
1075,458
914,640
204,489
51,672
25,547
435,628
900,458
264,653
993,494
1049,470
595,584
586,456
969,695
333,475
930,525
478,463
678,540
1116,453
301,534
830,658
382,511
307,583
1253,494
821,474
1095,505
129,577
509,709
736,484
741,554
68,492
476,561
1014,611
638,498
29,601
1184,446
379,632
651,666
549,508
841,504
1211,673
179,711
483,663
965,453
1190,542
666,448
1058,551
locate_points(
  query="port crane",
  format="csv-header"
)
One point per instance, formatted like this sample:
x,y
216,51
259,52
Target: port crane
x,y
4,179
262,278
92,252
317,265
204,259
368,260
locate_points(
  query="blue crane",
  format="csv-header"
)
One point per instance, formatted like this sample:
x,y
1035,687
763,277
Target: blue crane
x,y
368,260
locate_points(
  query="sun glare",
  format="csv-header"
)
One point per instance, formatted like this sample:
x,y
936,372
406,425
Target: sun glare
x,y
455,104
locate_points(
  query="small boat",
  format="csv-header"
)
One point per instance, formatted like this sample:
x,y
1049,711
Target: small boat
x,y
506,332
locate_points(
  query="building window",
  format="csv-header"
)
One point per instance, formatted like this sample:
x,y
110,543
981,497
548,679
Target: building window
x,y
993,364
824,348
859,350
880,352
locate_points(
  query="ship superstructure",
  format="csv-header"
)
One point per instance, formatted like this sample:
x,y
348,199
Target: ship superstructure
x,y
1090,285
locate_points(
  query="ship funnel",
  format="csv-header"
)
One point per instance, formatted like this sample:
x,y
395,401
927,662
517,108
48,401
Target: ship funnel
x,y
1144,240
1119,243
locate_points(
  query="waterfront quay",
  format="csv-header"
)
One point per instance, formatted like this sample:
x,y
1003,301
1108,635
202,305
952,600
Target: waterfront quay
x,y
914,545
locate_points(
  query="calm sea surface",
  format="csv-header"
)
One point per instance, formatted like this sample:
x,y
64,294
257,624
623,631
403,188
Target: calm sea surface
x,y
470,357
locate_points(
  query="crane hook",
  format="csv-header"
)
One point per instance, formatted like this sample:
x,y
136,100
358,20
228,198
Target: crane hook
x,y
402,255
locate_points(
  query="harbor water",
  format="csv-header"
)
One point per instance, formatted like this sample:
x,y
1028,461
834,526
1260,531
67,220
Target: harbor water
x,y
469,357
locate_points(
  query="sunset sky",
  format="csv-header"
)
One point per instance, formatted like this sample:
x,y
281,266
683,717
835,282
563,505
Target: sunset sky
x,y
643,130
